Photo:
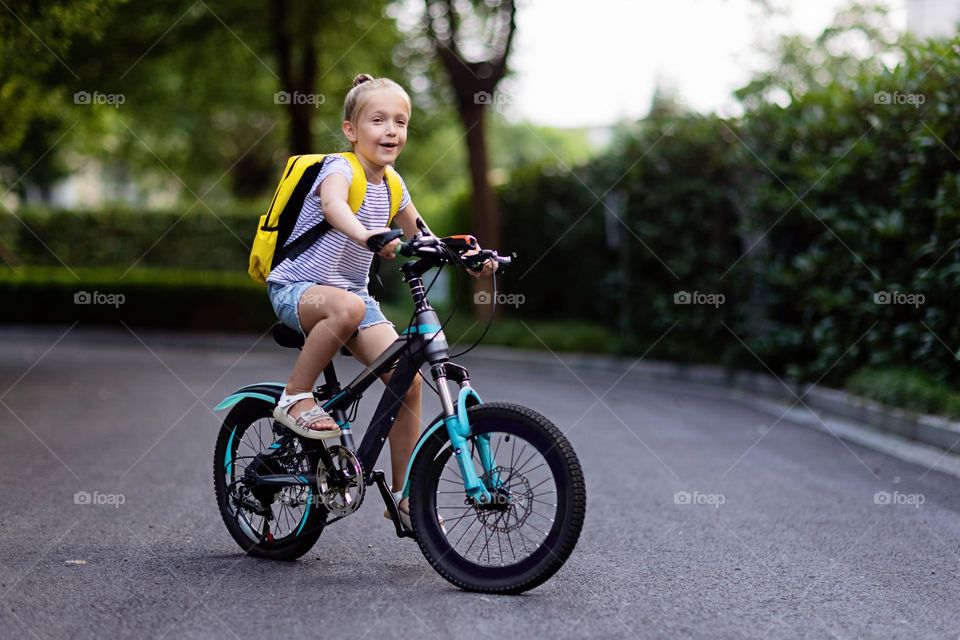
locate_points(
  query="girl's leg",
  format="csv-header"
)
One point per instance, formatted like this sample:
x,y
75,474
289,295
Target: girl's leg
x,y
328,316
367,347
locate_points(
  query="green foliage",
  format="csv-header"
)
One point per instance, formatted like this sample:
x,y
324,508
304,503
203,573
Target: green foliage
x,y
198,82
799,213
907,388
170,298
557,335
122,238
616,238
35,40
879,214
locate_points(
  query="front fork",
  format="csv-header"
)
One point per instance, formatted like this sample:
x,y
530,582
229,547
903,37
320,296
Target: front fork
x,y
458,428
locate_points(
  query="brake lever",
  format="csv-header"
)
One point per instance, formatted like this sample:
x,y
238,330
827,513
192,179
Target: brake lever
x,y
475,261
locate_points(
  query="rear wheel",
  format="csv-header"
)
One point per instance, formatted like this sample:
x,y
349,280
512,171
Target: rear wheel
x,y
520,541
273,523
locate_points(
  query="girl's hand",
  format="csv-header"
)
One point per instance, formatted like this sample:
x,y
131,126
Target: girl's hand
x,y
389,250
489,265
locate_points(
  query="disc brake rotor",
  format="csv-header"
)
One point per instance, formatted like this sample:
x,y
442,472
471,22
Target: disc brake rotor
x,y
519,498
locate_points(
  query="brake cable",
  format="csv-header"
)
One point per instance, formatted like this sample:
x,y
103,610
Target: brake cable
x,y
493,308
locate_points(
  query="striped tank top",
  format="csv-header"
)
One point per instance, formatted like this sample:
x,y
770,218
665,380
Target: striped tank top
x,y
335,259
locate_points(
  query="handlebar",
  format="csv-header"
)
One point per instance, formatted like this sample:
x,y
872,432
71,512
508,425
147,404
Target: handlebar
x,y
439,250
448,250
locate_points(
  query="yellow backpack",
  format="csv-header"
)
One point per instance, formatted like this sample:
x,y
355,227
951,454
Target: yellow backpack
x,y
278,222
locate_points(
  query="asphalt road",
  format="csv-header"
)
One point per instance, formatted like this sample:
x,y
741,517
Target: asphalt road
x,y
702,521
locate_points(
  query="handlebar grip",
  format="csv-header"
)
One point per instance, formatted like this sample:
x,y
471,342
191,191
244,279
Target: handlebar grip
x,y
378,241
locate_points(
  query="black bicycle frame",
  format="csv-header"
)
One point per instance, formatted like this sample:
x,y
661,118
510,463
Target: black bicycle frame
x,y
421,343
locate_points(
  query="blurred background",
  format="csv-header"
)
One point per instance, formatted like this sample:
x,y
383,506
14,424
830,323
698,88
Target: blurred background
x,y
767,185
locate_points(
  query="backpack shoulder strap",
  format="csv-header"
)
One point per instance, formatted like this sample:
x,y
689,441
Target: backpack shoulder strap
x,y
358,186
395,189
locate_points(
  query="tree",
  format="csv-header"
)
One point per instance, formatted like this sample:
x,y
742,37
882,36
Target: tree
x,y
486,29
34,40
203,86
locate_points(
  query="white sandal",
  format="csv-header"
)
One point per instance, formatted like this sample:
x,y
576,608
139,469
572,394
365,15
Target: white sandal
x,y
299,424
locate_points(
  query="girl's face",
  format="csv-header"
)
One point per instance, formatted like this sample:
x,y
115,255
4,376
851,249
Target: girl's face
x,y
379,131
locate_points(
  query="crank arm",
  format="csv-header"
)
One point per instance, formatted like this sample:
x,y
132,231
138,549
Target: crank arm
x,y
392,507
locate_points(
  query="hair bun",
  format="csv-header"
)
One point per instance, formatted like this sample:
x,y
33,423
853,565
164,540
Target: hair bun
x,y
360,78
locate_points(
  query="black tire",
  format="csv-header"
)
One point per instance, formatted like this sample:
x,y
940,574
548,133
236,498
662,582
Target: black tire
x,y
250,424
508,422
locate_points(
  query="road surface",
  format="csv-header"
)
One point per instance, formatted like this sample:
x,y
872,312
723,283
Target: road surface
x,y
702,520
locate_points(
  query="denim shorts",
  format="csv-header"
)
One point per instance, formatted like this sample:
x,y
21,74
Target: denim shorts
x,y
285,299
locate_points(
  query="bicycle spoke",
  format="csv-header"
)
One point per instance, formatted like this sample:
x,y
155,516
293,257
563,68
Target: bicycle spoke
x,y
541,515
541,482
500,547
519,467
482,529
520,455
525,479
549,504
510,542
534,469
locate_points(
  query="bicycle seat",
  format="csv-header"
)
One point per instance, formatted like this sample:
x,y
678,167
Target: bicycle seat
x,y
287,337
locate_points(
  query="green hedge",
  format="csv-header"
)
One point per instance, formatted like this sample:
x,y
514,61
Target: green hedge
x,y
169,298
181,239
118,238
906,388
698,193
218,301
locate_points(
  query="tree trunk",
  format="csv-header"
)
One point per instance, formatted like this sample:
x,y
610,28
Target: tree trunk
x,y
301,135
285,40
485,210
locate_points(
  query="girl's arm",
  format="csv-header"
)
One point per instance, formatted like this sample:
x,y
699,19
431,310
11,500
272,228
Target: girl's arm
x,y
407,219
333,198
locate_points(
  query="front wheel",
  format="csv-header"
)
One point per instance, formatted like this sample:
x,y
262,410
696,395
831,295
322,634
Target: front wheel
x,y
522,539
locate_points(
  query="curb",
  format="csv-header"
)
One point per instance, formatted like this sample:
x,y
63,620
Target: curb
x,y
927,429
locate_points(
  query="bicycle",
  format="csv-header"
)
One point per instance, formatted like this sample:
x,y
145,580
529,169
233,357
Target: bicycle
x,y
514,479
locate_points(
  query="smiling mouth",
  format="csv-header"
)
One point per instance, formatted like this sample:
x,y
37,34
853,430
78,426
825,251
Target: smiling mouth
x,y
389,145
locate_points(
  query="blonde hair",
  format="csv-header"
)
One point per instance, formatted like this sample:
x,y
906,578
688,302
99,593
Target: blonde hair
x,y
363,85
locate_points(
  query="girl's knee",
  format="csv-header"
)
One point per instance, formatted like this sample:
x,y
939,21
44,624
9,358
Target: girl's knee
x,y
350,311
357,309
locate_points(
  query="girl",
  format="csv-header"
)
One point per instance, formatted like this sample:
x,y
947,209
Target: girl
x,y
323,292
